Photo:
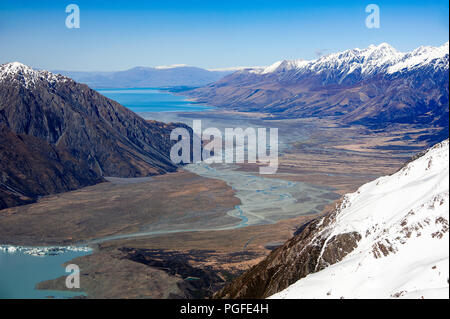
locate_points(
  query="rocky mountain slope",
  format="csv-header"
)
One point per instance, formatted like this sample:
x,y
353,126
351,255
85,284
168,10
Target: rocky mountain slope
x,y
30,167
58,135
145,77
388,239
372,86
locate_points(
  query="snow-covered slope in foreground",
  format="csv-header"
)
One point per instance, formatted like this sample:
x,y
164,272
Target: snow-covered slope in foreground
x,y
404,246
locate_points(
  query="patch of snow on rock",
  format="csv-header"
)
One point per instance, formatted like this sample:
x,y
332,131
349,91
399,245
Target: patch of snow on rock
x,y
403,220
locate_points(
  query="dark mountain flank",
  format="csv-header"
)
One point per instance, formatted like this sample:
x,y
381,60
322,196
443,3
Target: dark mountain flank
x,y
309,251
30,166
57,135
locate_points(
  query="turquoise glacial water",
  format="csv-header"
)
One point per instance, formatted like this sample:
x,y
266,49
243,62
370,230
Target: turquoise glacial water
x,y
19,273
151,100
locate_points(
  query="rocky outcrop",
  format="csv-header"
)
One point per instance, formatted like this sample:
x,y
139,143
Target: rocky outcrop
x,y
310,250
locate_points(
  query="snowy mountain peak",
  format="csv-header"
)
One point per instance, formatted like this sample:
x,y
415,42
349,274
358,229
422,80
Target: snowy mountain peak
x,y
398,230
17,65
374,59
26,76
382,51
284,65
384,48
421,57
173,66
386,45
14,68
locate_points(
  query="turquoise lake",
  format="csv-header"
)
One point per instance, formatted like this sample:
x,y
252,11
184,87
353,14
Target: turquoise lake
x,y
151,100
19,273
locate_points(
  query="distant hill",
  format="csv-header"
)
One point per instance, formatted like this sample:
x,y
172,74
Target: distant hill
x,y
140,77
58,135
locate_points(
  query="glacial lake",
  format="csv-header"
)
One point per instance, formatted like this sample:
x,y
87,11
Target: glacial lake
x,y
151,100
19,273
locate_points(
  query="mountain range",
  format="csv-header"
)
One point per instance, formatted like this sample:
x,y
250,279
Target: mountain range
x,y
148,77
58,135
374,86
389,239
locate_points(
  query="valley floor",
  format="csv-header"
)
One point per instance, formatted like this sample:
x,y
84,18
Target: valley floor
x,y
195,263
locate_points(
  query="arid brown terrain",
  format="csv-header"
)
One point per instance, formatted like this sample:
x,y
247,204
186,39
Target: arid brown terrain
x,y
112,208
198,263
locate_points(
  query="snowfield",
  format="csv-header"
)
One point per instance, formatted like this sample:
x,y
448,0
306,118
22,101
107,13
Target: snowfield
x,y
367,62
404,246
26,76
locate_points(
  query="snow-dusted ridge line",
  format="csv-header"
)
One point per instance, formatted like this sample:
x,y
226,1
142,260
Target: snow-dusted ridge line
x,y
236,68
403,224
172,66
375,59
43,251
26,76
372,60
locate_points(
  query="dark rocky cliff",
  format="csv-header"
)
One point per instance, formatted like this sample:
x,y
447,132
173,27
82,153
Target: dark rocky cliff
x,y
59,135
309,251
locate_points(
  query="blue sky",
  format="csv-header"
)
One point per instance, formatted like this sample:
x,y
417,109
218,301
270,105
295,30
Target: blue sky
x,y
116,35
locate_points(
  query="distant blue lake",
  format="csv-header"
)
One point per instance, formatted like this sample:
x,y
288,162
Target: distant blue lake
x,y
151,100
19,273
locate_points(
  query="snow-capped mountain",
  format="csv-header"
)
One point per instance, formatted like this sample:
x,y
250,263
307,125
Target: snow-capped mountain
x,y
363,62
16,72
58,135
402,223
436,57
375,86
280,66
388,239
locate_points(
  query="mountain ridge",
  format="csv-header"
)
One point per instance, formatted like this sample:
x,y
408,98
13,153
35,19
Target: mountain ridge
x,y
95,133
376,86
374,58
